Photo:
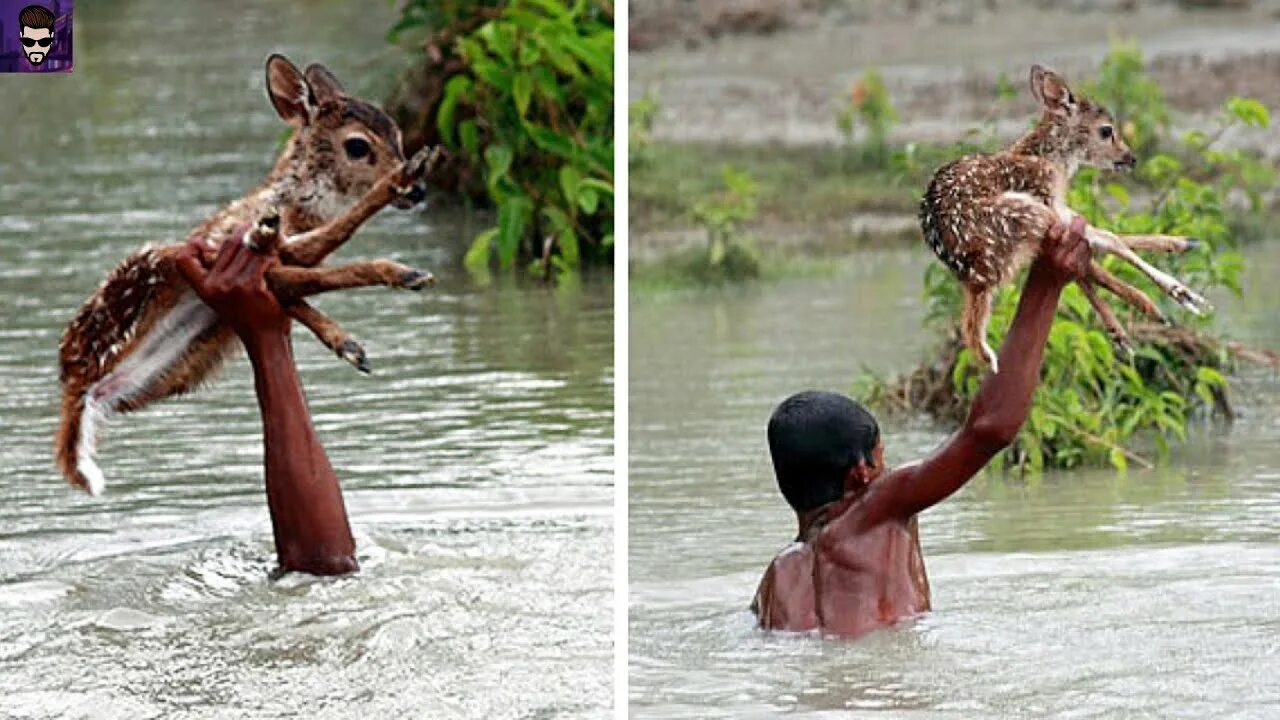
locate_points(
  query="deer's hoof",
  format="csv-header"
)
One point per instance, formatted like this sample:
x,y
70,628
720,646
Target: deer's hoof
x,y
1123,347
1192,244
351,351
416,167
417,280
1191,301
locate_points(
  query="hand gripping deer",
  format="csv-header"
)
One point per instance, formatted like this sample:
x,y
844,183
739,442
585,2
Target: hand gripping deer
x,y
144,335
984,215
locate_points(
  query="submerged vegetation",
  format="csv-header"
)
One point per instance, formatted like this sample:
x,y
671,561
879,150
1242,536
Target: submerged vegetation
x,y
521,92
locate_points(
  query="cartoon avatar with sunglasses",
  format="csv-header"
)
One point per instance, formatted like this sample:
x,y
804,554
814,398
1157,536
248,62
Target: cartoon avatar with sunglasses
x,y
35,30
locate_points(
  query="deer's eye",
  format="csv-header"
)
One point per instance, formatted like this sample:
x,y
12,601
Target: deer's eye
x,y
356,147
1105,132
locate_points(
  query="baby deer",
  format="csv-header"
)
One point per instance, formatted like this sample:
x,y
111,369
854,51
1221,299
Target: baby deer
x,y
984,215
144,335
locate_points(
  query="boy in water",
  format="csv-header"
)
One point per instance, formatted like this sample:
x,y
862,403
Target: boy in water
x,y
856,564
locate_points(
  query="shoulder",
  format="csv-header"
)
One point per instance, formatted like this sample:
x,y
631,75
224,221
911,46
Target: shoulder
x,y
877,505
794,557
784,600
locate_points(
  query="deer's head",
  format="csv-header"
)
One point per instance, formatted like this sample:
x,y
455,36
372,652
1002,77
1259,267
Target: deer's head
x,y
341,145
1081,132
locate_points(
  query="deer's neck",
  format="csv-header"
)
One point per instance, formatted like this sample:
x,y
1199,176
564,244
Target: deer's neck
x,y
1048,140
306,198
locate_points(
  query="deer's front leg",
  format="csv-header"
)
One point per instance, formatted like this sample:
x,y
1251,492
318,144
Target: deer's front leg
x,y
1160,243
330,333
1098,275
1119,336
292,283
1173,287
309,248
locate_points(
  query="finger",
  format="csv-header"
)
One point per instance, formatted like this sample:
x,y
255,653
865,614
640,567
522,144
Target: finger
x,y
196,247
1077,227
241,256
253,267
192,270
226,251
1055,231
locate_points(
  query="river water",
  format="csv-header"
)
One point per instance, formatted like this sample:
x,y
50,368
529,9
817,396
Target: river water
x,y
1084,594
476,460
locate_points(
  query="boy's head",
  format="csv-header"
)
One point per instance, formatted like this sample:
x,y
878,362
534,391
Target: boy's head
x,y
823,444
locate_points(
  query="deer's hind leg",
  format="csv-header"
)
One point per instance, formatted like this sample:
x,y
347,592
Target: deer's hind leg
x,y
999,238
330,334
973,324
1119,336
291,282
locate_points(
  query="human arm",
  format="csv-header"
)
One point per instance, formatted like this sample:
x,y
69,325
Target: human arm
x,y
303,496
1004,399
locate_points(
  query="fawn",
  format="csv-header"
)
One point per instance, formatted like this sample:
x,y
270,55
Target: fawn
x,y
144,335
984,215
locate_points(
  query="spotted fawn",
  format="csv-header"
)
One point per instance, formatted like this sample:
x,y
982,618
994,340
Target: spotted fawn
x,y
985,215
144,335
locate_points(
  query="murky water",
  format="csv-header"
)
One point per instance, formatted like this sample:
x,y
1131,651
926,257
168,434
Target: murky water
x,y
477,459
1084,594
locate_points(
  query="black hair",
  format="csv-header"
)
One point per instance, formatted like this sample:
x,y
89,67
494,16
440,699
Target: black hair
x,y
815,438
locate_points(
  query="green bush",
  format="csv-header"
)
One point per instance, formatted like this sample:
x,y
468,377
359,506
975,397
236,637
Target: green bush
x,y
729,255
531,109
868,105
1134,99
640,117
1093,406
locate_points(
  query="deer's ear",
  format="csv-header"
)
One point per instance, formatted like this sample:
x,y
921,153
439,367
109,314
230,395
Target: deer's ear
x,y
1051,91
324,85
289,91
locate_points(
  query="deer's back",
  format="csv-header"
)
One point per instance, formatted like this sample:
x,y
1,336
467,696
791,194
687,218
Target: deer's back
x,y
136,295
970,224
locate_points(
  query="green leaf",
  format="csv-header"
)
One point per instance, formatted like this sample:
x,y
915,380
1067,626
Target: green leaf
x,y
477,256
1249,111
1118,191
470,137
498,158
513,218
1209,376
567,242
570,181
1117,459
456,90
522,92
587,200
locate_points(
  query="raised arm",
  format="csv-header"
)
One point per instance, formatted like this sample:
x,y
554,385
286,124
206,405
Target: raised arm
x,y
1004,399
307,513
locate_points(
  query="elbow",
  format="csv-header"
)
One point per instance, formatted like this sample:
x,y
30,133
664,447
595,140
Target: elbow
x,y
992,435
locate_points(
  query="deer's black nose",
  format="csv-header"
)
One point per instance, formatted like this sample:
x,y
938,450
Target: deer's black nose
x,y
416,194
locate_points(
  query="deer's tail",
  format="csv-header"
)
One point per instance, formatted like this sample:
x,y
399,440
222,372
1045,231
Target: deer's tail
x,y
77,440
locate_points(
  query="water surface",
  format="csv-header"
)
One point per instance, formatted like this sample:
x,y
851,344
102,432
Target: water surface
x,y
1084,594
476,460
